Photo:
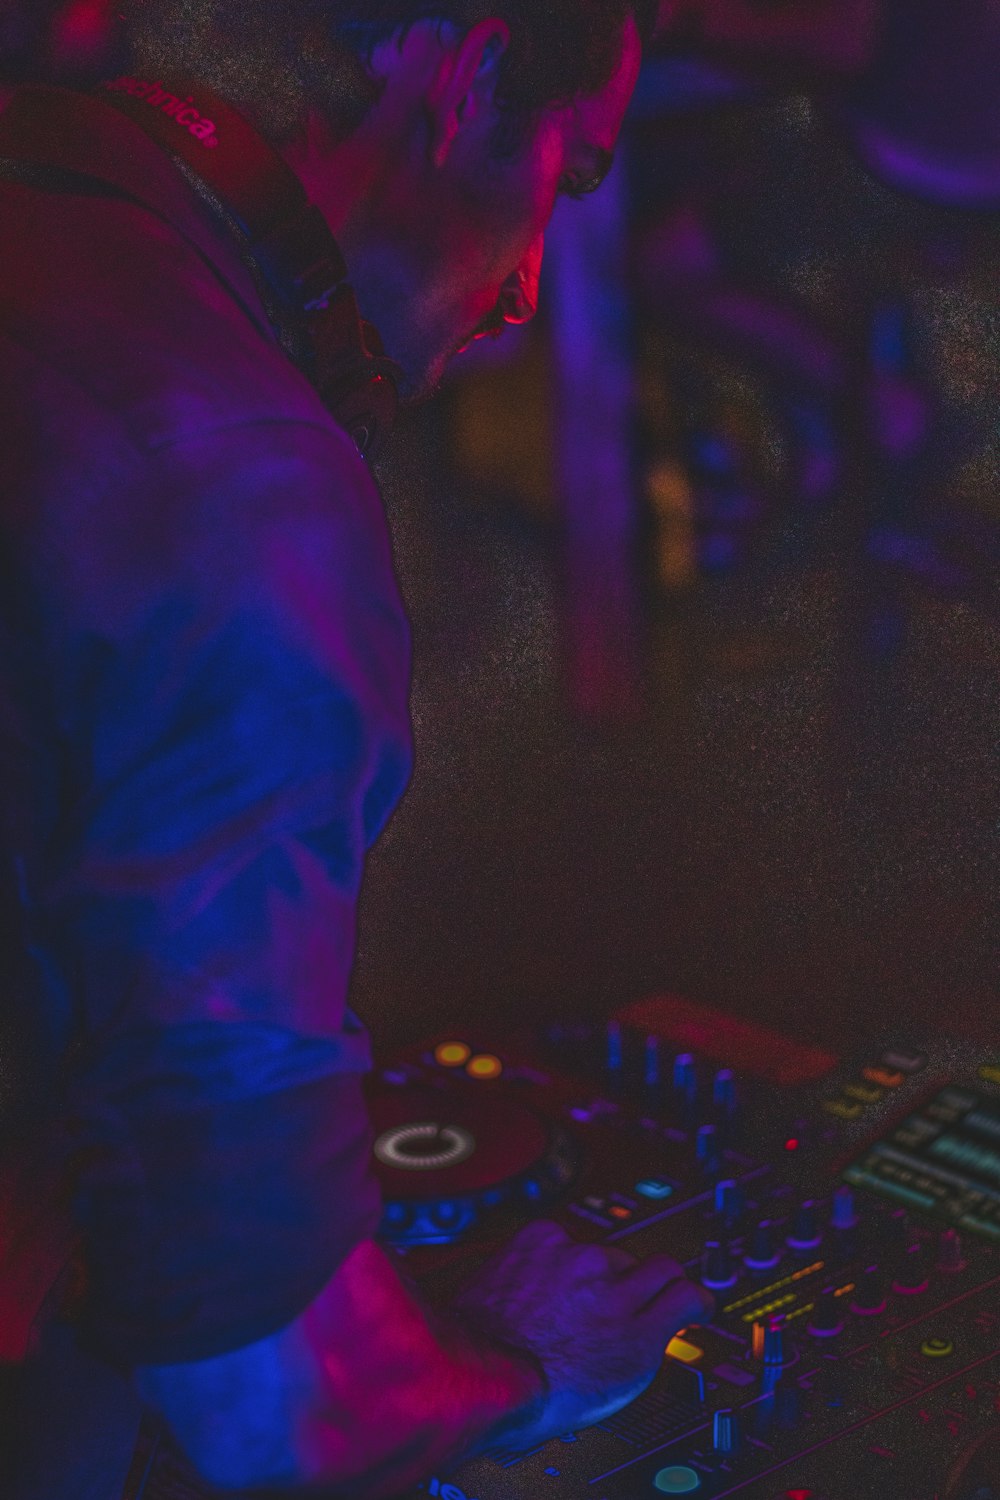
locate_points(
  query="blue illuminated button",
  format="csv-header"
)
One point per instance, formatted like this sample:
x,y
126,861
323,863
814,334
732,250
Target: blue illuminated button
x,y
654,1187
677,1481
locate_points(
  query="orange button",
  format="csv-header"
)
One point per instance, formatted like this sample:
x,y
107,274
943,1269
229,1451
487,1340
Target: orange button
x,y
484,1066
883,1076
452,1054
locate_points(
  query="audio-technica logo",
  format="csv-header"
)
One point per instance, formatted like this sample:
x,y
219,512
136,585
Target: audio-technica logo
x,y
445,1491
181,110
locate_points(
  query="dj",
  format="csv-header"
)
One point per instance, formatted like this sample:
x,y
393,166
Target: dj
x,y
204,726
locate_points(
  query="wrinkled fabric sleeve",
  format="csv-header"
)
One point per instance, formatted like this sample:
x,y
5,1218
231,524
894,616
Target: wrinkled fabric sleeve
x,y
235,710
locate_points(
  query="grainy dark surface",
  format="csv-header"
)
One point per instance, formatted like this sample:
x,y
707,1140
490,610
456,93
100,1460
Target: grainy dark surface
x,y
762,839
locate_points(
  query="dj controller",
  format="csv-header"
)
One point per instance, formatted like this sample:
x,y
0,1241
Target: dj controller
x,y
844,1213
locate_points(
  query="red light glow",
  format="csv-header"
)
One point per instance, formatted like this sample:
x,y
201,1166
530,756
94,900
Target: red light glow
x,y
792,1144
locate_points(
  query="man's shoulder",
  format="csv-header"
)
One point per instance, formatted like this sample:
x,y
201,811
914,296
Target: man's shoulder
x,y
117,302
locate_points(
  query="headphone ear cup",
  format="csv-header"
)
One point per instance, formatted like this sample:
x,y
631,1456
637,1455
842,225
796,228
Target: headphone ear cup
x,y
358,387
365,407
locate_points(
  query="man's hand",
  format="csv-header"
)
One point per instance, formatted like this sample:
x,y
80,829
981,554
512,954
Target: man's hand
x,y
366,1392
595,1319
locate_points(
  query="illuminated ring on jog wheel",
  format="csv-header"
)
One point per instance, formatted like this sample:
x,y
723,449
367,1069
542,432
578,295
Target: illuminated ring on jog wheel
x,y
456,1145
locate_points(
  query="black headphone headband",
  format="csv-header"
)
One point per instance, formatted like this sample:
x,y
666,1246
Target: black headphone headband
x,y
286,236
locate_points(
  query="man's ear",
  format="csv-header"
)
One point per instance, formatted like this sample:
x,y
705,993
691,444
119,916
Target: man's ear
x,y
465,84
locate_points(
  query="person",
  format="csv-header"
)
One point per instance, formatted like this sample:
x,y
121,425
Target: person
x,y
204,727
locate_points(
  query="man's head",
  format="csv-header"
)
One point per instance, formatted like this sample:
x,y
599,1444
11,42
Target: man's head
x,y
436,135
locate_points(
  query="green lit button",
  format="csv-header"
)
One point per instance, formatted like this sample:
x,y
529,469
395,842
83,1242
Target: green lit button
x,y
677,1481
937,1348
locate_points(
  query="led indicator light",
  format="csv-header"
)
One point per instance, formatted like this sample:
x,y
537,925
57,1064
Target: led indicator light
x,y
792,1144
654,1187
484,1066
452,1054
677,1481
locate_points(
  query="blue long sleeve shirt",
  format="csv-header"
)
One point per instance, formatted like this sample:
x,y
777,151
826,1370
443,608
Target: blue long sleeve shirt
x,y
204,673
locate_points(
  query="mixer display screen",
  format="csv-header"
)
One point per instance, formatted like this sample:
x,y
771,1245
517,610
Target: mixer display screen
x,y
944,1158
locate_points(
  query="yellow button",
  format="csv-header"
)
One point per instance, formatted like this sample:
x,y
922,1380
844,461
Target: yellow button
x,y
452,1054
688,1354
937,1348
842,1109
484,1066
991,1074
865,1096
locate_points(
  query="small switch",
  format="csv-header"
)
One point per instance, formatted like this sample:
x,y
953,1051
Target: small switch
x,y
655,1188
904,1061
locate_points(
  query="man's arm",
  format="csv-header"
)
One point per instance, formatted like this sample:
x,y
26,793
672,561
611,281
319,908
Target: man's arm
x,y
363,1393
242,730
367,1392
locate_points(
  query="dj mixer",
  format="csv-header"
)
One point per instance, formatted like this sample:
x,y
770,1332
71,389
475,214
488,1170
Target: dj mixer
x,y
845,1214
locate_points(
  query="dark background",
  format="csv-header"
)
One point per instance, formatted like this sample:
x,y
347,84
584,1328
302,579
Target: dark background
x,y
791,825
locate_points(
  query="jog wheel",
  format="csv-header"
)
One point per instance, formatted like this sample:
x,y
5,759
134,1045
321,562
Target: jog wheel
x,y
446,1157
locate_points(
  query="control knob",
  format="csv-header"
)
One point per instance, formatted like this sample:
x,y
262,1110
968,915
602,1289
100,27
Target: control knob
x,y
951,1256
707,1149
869,1293
614,1056
725,1100
726,1432
843,1215
805,1232
651,1064
729,1202
762,1253
685,1081
826,1319
718,1266
911,1271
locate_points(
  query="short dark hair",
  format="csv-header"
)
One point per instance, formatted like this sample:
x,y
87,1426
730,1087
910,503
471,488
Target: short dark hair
x,y
316,55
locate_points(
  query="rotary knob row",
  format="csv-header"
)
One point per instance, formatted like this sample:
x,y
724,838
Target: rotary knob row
x,y
672,1083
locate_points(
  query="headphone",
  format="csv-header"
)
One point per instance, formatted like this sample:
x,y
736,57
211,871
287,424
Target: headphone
x,y
286,238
